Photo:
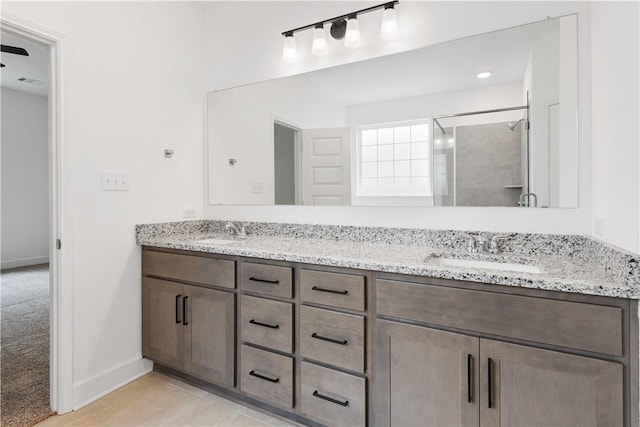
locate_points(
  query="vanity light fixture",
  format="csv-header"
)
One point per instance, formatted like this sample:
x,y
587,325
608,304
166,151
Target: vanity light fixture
x,y
484,74
352,37
289,51
389,27
344,27
319,46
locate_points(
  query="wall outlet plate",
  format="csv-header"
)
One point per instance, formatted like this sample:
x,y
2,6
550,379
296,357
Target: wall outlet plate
x,y
189,212
115,181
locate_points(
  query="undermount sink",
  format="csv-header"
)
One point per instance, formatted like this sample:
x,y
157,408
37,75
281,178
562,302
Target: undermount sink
x,y
215,241
487,265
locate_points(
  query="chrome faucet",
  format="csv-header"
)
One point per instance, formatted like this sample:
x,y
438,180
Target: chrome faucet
x,y
476,243
494,245
528,196
233,229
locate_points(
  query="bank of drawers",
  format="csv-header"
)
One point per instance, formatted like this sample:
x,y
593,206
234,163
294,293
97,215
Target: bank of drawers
x,y
267,323
334,338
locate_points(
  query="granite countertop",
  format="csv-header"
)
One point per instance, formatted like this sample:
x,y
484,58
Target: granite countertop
x,y
558,272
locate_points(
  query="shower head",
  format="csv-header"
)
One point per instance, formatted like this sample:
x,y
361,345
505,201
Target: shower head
x,y
513,125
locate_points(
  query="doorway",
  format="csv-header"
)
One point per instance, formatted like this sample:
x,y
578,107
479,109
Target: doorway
x,y
59,209
286,175
25,219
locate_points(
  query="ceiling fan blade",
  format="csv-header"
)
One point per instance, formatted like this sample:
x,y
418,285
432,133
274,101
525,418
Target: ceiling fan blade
x,y
14,50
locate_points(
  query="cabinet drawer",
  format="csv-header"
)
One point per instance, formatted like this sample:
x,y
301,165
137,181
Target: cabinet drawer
x,y
267,279
268,376
589,327
332,398
333,289
334,338
267,323
207,271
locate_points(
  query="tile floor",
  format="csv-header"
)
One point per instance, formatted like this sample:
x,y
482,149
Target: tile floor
x,y
158,400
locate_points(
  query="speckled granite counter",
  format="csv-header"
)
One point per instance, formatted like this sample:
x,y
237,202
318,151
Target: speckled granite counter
x,y
567,263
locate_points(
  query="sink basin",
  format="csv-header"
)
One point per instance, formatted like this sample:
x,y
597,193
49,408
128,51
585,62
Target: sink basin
x,y
488,265
215,241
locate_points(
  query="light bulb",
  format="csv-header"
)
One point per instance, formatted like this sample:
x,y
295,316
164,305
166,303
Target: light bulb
x,y
319,46
352,36
289,50
389,27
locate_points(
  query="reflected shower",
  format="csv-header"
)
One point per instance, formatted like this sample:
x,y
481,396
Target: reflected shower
x,y
513,125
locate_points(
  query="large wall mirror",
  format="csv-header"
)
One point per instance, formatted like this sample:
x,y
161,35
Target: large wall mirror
x,y
418,128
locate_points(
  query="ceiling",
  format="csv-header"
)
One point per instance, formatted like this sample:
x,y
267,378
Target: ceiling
x,y
35,66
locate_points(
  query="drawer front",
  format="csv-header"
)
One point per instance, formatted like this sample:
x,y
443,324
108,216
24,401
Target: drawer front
x,y
589,327
333,338
267,323
333,289
196,269
267,376
267,279
332,398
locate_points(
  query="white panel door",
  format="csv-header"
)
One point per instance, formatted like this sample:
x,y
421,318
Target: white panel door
x,y
326,164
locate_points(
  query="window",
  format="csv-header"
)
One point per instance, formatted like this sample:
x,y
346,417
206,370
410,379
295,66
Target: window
x,y
395,160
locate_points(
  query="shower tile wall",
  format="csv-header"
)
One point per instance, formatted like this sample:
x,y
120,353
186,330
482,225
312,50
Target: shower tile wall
x,y
488,158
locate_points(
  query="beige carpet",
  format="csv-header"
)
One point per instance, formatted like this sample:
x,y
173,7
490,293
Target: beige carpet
x,y
24,345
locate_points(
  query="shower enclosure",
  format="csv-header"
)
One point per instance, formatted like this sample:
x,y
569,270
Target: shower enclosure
x,y
482,158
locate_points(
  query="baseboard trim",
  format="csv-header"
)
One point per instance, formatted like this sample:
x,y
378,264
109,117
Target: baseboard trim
x,y
92,389
25,262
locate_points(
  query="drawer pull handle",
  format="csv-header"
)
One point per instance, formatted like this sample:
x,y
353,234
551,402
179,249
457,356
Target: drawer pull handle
x,y
490,379
331,291
185,322
469,378
266,325
178,321
263,377
257,279
328,399
335,341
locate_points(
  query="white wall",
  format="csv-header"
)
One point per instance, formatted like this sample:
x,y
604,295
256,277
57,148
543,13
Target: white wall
x,y
615,67
421,24
241,123
134,86
25,179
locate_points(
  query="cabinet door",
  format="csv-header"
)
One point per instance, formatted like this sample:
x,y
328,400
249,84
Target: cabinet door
x,y
530,386
162,321
209,334
424,377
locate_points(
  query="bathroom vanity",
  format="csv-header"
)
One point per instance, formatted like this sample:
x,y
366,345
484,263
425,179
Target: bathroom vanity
x,y
335,332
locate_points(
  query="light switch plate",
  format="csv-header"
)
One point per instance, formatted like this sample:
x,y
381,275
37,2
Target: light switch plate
x,y
256,187
115,181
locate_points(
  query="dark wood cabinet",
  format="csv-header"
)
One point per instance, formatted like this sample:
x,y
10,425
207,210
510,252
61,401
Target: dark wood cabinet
x,y
189,328
425,377
428,377
534,387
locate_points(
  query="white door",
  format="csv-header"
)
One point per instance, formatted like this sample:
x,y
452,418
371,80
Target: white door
x,y
325,167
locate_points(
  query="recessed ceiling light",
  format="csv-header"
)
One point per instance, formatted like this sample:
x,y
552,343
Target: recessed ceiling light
x,y
484,74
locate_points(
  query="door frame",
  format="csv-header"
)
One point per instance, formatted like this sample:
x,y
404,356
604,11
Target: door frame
x,y
60,260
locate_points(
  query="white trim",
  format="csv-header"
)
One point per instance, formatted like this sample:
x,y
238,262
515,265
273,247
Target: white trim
x,y
24,262
92,389
61,362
